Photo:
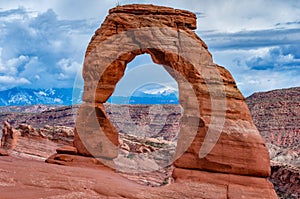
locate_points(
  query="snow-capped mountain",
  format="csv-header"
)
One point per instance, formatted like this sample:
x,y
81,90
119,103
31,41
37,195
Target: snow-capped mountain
x,y
146,94
149,94
26,96
155,90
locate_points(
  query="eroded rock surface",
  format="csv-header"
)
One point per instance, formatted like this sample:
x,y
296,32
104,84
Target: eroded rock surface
x,y
277,116
30,142
286,180
38,115
23,178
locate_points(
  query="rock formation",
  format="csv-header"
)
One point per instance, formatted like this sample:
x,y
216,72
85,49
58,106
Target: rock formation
x,y
26,141
38,115
218,143
9,136
162,120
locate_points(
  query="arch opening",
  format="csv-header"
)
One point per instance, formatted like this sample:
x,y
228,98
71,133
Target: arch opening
x,y
145,82
99,86
184,74
147,95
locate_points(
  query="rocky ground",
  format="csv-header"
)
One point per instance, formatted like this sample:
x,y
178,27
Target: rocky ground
x,y
23,178
40,143
24,174
286,180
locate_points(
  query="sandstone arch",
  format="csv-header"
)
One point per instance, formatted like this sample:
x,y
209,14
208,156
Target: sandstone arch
x,y
167,35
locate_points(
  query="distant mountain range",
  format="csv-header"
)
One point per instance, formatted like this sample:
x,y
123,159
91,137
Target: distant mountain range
x,y
143,100
149,94
27,96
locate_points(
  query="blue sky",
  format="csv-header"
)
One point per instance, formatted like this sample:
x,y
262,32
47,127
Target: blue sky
x,y
42,43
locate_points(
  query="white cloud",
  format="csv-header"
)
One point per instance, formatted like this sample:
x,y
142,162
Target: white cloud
x,y
47,40
69,66
10,82
225,16
10,67
267,80
42,47
234,16
261,69
37,77
2,68
275,58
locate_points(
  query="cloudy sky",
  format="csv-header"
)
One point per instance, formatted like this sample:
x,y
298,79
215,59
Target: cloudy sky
x,y
42,43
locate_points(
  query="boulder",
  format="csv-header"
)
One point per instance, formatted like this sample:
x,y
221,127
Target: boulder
x,y
67,150
3,152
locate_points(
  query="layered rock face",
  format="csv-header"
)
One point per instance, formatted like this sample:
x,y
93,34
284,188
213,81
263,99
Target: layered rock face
x,y
36,131
29,142
155,121
218,143
277,116
39,115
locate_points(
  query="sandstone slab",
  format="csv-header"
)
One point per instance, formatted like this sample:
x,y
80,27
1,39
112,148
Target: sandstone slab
x,y
237,186
67,150
23,178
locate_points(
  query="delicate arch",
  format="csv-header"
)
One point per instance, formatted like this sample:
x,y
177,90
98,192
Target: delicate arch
x,y
170,41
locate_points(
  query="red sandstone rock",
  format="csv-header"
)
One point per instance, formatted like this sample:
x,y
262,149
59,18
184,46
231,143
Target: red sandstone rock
x,y
38,116
277,116
237,186
104,67
67,150
208,94
35,143
3,152
75,160
9,136
21,178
